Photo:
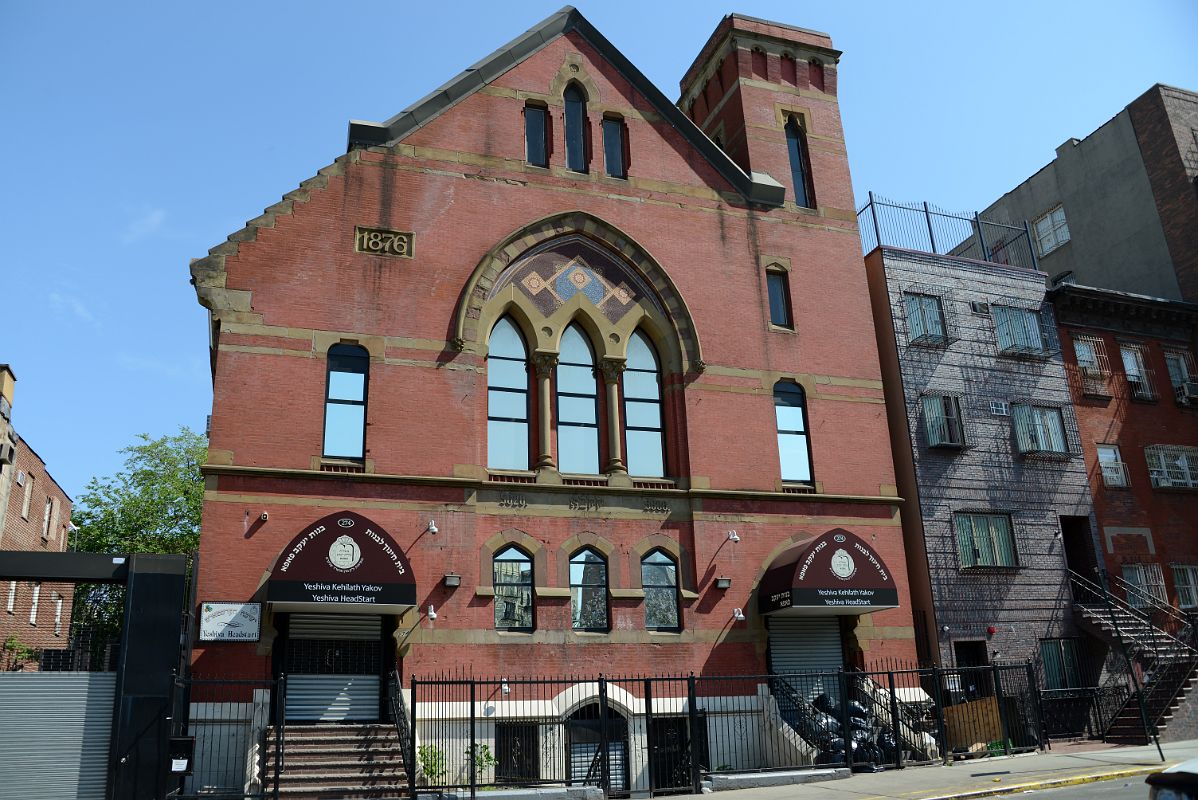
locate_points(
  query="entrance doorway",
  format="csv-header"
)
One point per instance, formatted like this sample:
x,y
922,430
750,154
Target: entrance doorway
x,y
584,746
1079,546
335,666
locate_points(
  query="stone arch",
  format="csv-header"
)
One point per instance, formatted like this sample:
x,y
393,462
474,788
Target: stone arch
x,y
662,312
668,545
574,70
595,542
533,547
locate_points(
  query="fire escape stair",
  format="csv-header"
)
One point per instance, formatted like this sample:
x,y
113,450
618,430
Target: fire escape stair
x,y
337,762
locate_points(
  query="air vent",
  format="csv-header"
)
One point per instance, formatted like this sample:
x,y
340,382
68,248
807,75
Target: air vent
x,y
1000,408
978,307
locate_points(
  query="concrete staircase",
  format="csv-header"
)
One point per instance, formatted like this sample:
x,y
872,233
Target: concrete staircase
x,y
338,762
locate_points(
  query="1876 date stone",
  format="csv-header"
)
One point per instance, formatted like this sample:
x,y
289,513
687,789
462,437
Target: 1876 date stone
x,y
381,242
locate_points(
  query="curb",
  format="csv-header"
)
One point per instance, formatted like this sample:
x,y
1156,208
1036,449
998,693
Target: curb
x,y
1055,783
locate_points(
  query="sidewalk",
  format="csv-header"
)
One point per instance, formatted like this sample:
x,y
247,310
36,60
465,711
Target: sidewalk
x,y
984,776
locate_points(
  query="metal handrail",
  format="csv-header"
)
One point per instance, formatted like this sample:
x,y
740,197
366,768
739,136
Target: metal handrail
x,y
280,730
403,729
1100,596
1152,599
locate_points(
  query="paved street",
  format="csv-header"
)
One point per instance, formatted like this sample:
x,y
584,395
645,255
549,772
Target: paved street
x,y
1106,790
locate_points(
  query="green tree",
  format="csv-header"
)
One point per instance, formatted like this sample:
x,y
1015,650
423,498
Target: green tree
x,y
153,505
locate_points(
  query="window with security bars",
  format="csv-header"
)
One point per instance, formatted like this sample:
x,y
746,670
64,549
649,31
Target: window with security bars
x,y
1110,462
1052,230
1059,657
1172,467
942,416
1093,365
1147,583
1039,429
1135,367
1182,376
925,319
1185,580
985,540
1019,331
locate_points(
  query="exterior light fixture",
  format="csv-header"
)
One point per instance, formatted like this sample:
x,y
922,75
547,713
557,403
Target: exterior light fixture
x,y
432,612
733,536
738,615
432,527
453,580
503,687
723,583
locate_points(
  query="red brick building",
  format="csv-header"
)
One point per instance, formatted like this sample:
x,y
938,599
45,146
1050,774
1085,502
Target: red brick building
x,y
1135,390
538,378
35,514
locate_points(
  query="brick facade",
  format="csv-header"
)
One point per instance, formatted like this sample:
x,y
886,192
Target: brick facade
x,y
38,519
1005,609
694,251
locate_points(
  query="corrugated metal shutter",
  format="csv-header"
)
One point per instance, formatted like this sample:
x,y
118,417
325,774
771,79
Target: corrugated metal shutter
x,y
55,729
332,698
805,643
582,757
335,626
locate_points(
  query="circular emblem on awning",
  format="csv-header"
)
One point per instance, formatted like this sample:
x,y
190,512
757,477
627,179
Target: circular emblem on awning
x,y
842,565
344,554
345,522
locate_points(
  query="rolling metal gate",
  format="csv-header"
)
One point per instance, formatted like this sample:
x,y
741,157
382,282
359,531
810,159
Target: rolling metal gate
x,y
55,731
798,644
333,669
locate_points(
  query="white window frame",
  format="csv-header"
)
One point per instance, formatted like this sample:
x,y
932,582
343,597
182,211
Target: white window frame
x,y
1019,330
1180,365
1149,579
57,614
1051,229
46,518
926,324
1172,466
1185,581
28,496
943,420
37,594
1114,471
12,596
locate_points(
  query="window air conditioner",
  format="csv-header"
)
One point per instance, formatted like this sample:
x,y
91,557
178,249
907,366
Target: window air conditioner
x,y
7,453
1190,392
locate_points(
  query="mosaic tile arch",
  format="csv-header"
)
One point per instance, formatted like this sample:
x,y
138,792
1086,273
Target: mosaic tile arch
x,y
575,259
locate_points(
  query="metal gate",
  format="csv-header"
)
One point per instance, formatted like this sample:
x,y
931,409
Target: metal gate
x,y
799,644
56,732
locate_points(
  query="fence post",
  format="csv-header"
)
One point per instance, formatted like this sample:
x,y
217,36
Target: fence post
x,y
845,733
649,730
938,702
692,713
472,756
1002,709
977,220
873,213
927,212
604,740
411,743
1031,247
895,729
280,716
1034,688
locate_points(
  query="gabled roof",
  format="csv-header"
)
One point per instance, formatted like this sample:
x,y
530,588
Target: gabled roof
x,y
756,187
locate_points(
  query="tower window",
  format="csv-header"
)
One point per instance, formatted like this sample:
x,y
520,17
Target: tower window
x,y
779,292
800,164
615,148
536,135
345,402
794,448
576,124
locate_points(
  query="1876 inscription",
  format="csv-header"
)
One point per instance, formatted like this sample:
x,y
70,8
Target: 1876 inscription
x,y
381,242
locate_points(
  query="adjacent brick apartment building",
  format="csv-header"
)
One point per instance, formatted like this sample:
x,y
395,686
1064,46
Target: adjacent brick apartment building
x,y
35,514
551,375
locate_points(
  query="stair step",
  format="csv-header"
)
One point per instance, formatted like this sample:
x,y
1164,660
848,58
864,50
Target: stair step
x,y
339,755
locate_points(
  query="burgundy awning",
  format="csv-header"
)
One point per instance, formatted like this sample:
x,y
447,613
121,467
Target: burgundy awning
x,y
836,573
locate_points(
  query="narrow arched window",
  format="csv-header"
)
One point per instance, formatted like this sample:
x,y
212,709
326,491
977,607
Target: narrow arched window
x,y
794,448
659,579
513,590
577,405
536,135
576,124
507,398
642,410
800,164
588,591
345,402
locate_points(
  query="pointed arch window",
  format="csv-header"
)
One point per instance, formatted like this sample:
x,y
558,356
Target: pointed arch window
x,y
794,447
659,579
345,402
588,591
513,589
577,405
507,398
645,443
576,128
800,163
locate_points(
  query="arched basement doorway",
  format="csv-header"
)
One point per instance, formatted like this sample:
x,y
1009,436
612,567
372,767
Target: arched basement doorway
x,y
584,748
336,591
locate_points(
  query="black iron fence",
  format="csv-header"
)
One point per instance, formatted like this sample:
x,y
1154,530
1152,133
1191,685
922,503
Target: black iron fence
x,y
927,228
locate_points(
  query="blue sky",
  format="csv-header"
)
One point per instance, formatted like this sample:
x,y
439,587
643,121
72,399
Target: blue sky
x,y
137,135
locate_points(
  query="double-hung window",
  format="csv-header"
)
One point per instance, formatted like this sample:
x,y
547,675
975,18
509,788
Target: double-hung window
x,y
1051,231
1019,331
794,447
925,319
536,135
778,286
1092,364
1172,467
345,402
615,148
985,540
1182,376
1114,471
1135,367
1185,580
942,416
1039,429
1145,584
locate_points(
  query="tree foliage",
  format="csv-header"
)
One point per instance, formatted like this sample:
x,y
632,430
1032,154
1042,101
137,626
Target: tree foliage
x,y
151,506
